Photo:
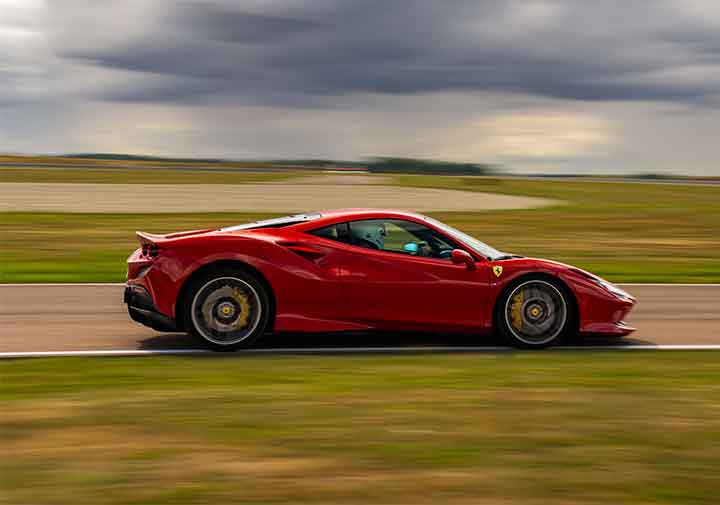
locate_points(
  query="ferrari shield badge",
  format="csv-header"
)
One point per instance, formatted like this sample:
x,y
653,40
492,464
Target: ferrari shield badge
x,y
497,270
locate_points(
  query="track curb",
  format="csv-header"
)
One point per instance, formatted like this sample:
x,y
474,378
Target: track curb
x,y
351,350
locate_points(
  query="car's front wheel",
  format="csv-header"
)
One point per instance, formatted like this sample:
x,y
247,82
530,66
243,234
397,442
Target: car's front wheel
x,y
227,309
535,313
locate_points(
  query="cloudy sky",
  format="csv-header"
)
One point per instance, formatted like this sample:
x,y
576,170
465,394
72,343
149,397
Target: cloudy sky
x,y
536,85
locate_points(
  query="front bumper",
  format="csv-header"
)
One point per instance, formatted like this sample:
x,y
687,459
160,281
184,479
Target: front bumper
x,y
142,309
609,329
608,318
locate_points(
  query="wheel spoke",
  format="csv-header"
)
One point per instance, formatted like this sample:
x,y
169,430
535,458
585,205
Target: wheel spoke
x,y
226,311
536,312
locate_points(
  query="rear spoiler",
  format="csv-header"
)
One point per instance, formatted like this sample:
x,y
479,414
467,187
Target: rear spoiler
x,y
148,239
151,239
150,243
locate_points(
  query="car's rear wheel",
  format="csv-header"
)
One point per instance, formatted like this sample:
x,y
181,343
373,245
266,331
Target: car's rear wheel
x,y
227,309
535,313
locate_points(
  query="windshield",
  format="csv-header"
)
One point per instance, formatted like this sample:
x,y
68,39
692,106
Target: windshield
x,y
481,247
277,222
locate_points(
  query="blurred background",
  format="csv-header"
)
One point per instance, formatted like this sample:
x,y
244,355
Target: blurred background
x,y
585,132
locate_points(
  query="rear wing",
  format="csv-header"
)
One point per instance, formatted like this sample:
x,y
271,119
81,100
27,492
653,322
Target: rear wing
x,y
150,243
149,239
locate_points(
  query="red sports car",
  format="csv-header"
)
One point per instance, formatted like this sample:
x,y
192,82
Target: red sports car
x,y
360,270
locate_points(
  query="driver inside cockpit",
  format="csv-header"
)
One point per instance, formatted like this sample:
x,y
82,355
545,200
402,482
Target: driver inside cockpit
x,y
370,234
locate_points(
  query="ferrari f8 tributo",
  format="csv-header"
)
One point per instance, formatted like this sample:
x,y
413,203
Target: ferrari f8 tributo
x,y
360,270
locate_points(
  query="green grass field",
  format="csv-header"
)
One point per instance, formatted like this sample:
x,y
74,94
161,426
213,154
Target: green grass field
x,y
85,247
65,161
626,232
551,427
137,176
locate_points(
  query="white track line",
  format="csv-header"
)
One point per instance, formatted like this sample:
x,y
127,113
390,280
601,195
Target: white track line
x,y
356,350
125,352
668,284
50,284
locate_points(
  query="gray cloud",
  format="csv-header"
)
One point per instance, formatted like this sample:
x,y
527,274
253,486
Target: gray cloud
x,y
610,85
571,50
703,42
222,23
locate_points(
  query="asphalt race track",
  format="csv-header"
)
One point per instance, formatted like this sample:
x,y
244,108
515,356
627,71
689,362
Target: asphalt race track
x,y
91,317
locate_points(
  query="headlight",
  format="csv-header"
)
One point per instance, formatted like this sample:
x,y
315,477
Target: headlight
x,y
612,288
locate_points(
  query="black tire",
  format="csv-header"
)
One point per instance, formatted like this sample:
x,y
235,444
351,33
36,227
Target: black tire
x,y
535,312
227,309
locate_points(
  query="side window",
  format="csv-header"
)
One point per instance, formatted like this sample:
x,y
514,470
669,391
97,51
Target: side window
x,y
402,237
338,232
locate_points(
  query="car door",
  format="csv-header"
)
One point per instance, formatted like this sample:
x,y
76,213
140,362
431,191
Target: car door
x,y
388,282
311,294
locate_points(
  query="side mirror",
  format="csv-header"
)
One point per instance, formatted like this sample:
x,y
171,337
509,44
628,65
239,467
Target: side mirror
x,y
458,256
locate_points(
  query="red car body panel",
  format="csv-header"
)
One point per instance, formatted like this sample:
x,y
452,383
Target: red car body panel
x,y
321,285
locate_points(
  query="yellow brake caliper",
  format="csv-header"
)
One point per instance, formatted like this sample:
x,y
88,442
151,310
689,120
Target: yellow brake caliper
x,y
244,303
515,309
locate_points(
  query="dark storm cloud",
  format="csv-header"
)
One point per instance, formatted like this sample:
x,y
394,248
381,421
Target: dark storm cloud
x,y
704,42
574,50
223,23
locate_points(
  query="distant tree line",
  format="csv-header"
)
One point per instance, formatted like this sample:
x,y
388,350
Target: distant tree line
x,y
418,166
379,164
138,157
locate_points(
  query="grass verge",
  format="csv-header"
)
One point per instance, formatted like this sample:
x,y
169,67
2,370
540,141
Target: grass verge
x,y
558,427
627,232
46,247
136,176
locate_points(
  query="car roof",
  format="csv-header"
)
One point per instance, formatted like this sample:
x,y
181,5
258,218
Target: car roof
x,y
328,217
320,219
